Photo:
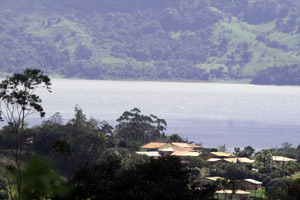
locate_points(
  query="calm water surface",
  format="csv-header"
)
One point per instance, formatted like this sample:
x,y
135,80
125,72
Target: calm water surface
x,y
215,114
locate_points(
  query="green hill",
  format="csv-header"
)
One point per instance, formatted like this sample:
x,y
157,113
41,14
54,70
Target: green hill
x,y
153,40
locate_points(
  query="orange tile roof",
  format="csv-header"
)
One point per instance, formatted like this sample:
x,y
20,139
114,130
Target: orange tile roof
x,y
152,145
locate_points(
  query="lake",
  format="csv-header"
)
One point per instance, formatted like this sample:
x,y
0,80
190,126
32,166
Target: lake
x,y
214,114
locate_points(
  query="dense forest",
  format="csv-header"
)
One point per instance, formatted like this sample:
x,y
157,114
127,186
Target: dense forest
x,y
154,40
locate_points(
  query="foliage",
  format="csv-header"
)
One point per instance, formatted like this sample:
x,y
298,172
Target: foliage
x,y
133,126
178,40
283,189
165,178
18,101
263,156
40,181
247,152
286,75
175,138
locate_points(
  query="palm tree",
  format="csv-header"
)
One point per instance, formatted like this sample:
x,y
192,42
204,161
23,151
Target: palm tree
x,y
264,157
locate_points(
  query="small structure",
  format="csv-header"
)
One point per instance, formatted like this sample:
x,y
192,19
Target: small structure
x,y
154,154
282,159
228,194
208,180
185,153
177,146
241,160
250,184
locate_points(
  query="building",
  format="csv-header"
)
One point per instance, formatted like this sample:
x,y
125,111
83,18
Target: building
x,y
152,146
249,184
208,180
154,154
228,194
176,146
185,153
282,159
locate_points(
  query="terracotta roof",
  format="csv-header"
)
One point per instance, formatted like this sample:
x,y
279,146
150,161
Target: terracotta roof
x,y
149,153
153,145
185,153
221,154
230,192
282,159
186,145
170,146
253,181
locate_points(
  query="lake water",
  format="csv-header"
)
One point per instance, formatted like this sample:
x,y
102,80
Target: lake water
x,y
211,113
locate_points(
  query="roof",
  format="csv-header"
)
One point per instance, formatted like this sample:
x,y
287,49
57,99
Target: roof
x,y
214,178
149,153
186,145
253,181
221,154
152,145
230,192
213,159
185,153
170,149
282,159
242,160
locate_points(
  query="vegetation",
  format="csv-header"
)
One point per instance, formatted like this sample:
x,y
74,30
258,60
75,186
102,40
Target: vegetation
x,y
18,101
178,39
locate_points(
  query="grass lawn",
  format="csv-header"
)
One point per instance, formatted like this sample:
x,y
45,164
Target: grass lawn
x,y
257,193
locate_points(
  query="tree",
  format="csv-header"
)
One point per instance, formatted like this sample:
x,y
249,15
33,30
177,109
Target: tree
x,y
135,126
164,178
175,138
40,181
83,52
18,101
284,189
263,156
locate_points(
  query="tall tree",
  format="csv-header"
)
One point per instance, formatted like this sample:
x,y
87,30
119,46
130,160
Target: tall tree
x,y
18,101
134,126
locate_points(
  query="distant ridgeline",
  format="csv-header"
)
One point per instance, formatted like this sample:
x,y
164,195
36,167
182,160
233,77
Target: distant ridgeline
x,y
153,39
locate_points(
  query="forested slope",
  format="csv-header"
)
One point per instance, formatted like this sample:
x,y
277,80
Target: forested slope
x,y
153,39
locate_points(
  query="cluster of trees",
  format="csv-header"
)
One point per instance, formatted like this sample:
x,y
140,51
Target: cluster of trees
x,y
89,159
128,39
286,75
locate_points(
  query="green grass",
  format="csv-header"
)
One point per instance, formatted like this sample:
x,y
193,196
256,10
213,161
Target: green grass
x,y
263,56
257,193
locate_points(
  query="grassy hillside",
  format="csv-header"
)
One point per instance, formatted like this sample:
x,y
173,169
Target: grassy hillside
x,y
195,40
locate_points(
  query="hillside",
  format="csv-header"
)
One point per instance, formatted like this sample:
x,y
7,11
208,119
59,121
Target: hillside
x,y
154,40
